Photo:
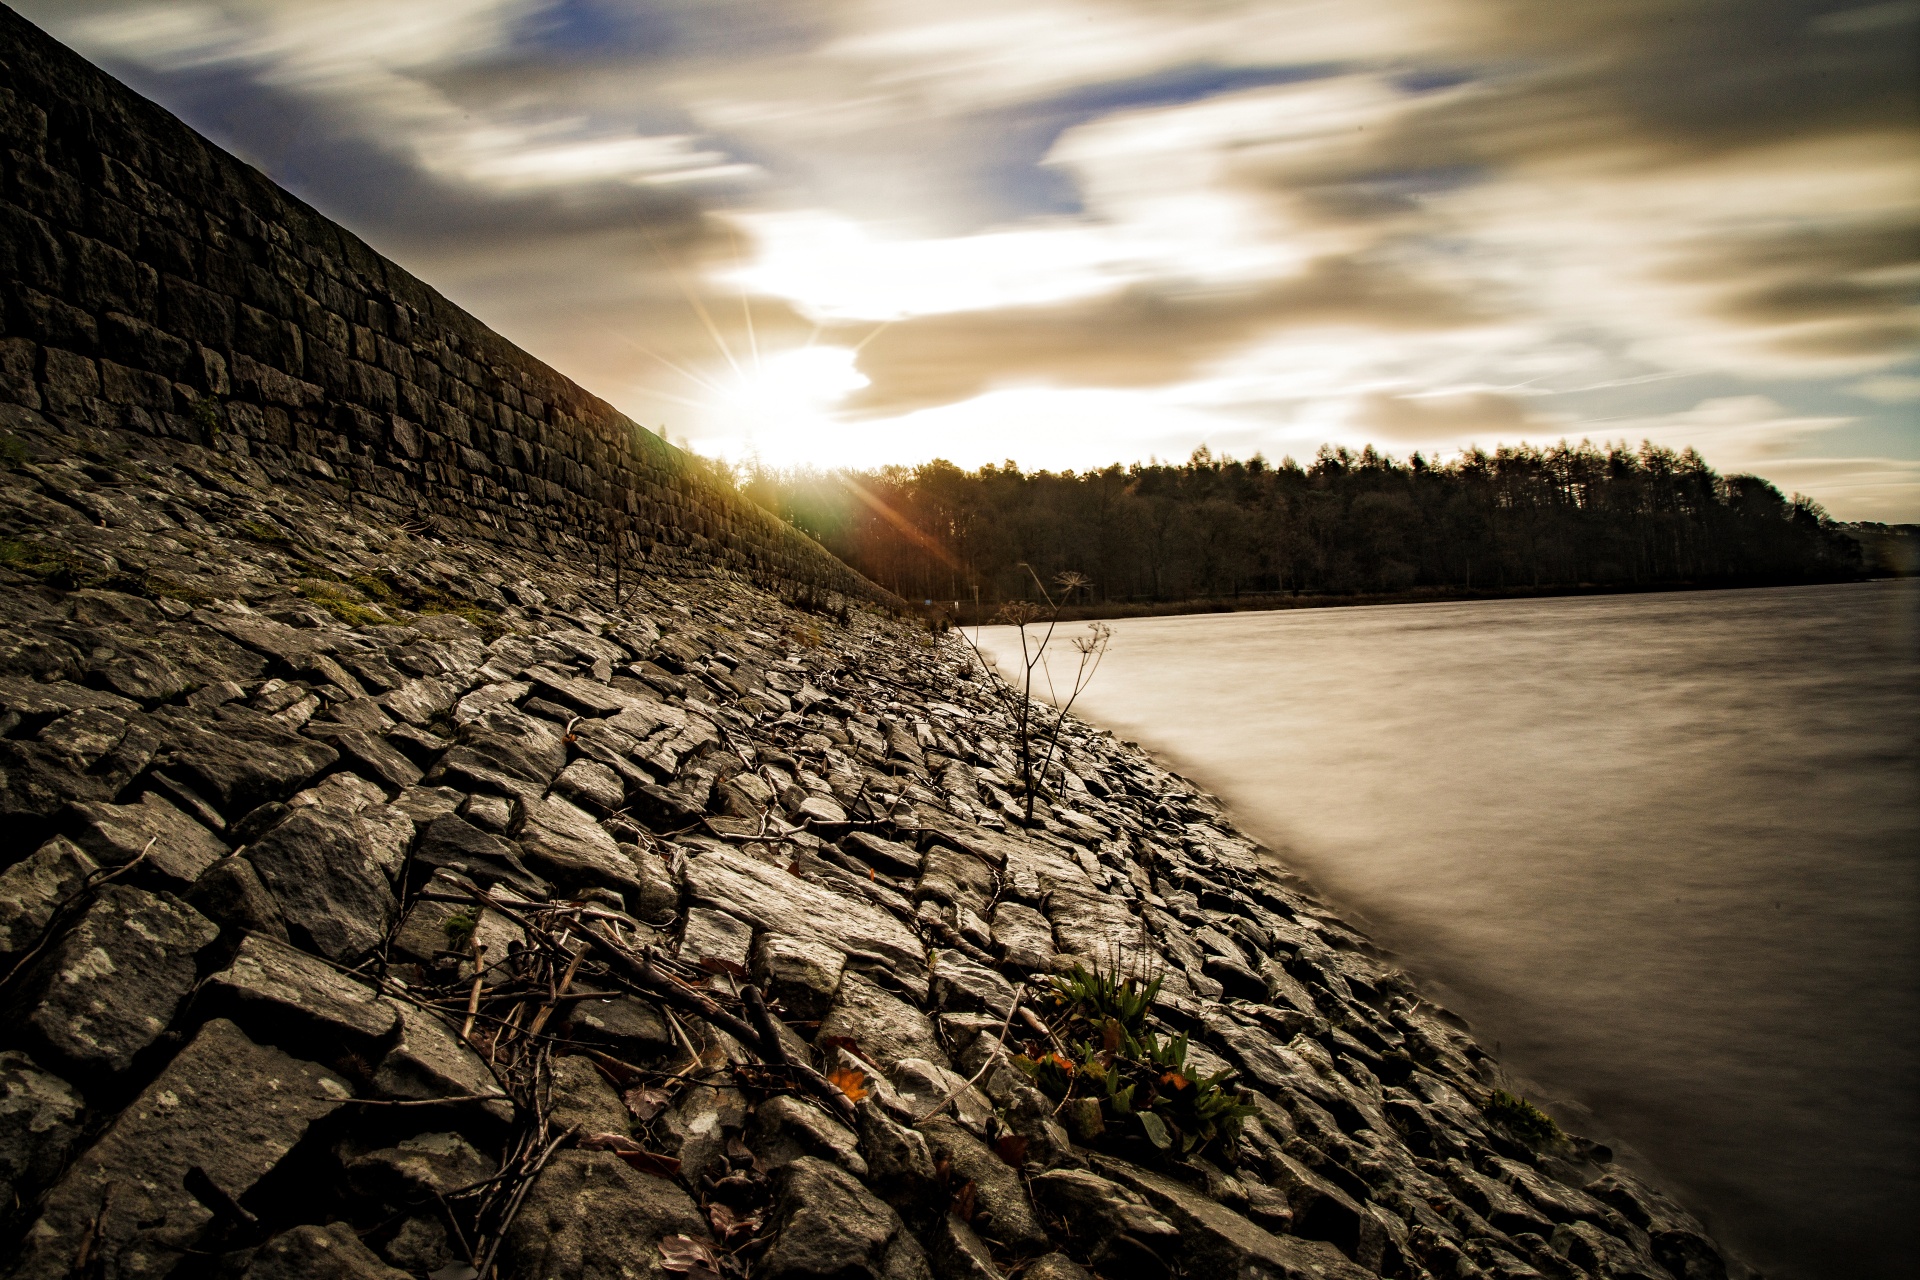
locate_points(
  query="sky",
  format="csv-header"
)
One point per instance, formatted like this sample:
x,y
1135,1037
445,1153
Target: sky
x,y
1075,232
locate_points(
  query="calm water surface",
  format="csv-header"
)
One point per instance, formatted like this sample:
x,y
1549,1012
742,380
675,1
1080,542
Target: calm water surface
x,y
1662,849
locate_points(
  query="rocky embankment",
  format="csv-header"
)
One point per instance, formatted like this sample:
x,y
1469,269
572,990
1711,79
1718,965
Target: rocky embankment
x,y
376,903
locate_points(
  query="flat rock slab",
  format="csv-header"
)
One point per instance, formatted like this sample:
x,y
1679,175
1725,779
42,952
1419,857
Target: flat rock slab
x,y
1218,1241
115,834
309,1252
429,1061
106,990
563,842
779,902
240,759
32,889
830,1225
276,991
40,1117
231,1106
887,1028
327,870
590,1217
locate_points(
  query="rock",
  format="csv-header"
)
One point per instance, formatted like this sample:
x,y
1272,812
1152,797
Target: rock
x,y
627,1027
1593,1250
103,993
1023,937
699,1122
886,1027
232,895
922,1084
1117,1228
286,996
32,889
1236,980
40,1124
240,759
332,1252
1321,1211
899,1158
225,1104
885,855
954,1252
776,901
452,842
961,985
1002,1210
801,974
419,1246
958,878
590,1217
592,786
1217,1241
416,1171
328,872
785,1128
563,843
369,755
715,935
506,751
581,1096
116,834
828,1225
1056,1266
429,1061
418,702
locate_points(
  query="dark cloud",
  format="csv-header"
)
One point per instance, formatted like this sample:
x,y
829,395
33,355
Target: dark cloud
x,y
1143,337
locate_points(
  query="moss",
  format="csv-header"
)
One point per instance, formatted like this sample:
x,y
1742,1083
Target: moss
x,y
262,531
488,622
37,560
1522,1119
14,452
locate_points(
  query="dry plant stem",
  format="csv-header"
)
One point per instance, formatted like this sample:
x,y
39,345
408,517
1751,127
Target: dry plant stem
x,y
485,1267
1018,993
553,999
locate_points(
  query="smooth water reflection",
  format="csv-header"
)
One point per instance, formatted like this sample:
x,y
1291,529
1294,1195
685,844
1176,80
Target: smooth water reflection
x,y
1661,848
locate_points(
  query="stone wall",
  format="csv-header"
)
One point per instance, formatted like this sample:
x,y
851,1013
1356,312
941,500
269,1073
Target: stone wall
x,y
155,283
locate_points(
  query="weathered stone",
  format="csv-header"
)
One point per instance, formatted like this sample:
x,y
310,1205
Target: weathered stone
x,y
590,1217
1056,1266
961,985
178,848
32,889
328,872
104,992
429,1061
40,1119
563,843
786,1128
886,1027
416,1170
958,878
240,759
922,1085
702,1118
715,935
581,1096
332,1252
231,894
369,755
885,855
282,995
1023,936
773,900
627,1027
452,842
1113,1222
954,1252
592,786
225,1104
827,1224
801,974
1002,1210
1218,1241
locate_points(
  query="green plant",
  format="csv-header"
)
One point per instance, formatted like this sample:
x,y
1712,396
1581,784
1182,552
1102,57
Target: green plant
x,y
1522,1119
206,412
1122,1081
459,929
342,601
14,451
261,531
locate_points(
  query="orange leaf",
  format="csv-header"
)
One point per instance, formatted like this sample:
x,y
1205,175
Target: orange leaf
x,y
850,1082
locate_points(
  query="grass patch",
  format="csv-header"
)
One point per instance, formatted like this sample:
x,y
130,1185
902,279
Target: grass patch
x,y
261,531
14,452
343,601
1522,1119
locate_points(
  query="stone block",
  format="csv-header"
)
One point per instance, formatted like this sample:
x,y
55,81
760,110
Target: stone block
x,y
177,847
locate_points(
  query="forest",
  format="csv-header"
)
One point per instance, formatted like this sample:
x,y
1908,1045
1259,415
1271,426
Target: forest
x,y
1519,519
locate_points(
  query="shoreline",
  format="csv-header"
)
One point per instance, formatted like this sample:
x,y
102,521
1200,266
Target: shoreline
x,y
1274,602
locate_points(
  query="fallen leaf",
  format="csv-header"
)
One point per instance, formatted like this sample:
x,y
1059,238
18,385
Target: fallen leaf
x,y
636,1156
1011,1147
963,1203
850,1082
685,1254
645,1103
718,964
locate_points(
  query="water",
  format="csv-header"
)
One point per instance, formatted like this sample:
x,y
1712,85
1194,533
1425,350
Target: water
x,y
1661,849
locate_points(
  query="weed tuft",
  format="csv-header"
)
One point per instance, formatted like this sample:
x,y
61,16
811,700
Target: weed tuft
x,y
1522,1119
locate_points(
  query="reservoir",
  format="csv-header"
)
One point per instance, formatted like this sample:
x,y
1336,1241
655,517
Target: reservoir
x,y
1660,849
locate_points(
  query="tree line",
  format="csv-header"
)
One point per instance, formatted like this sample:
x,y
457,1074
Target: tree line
x,y
1518,518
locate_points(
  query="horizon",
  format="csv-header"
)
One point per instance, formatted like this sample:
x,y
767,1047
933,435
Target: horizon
x,y
1077,235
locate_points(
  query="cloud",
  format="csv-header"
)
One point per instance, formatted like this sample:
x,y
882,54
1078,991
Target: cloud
x,y
1888,388
1244,218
